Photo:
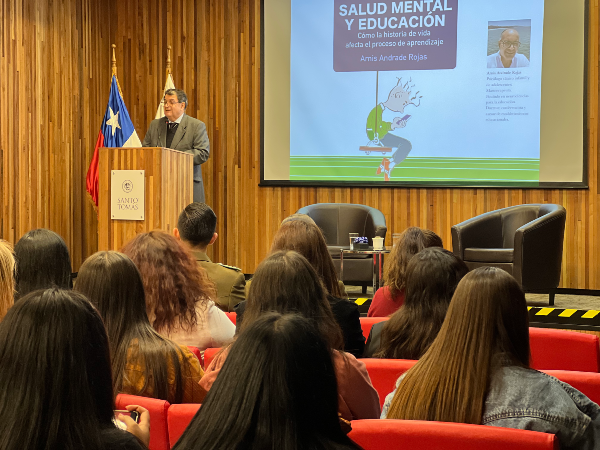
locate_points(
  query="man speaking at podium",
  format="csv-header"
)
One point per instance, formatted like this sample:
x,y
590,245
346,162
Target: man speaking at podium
x,y
179,131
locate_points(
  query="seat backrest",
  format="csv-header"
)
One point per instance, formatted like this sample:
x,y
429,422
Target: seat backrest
x,y
587,383
209,355
564,350
516,217
232,316
385,372
376,434
366,323
159,435
178,418
337,220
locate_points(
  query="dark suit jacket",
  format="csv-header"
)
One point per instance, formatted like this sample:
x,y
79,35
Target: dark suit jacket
x,y
190,137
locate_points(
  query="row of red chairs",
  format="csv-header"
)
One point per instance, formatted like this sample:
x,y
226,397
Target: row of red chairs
x,y
168,422
550,349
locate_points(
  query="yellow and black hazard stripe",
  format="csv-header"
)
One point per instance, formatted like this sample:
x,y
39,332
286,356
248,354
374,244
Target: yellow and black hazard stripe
x,y
363,304
558,316
588,317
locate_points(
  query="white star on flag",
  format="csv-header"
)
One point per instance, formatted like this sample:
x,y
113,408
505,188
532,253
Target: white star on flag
x,y
113,121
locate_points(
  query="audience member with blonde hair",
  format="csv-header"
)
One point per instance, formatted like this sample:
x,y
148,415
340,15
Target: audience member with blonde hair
x,y
390,297
179,293
7,279
477,370
285,282
431,278
144,363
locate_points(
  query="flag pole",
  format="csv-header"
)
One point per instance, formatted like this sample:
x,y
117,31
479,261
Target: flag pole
x,y
168,61
114,68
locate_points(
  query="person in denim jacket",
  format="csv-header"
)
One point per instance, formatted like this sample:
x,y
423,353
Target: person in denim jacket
x,y
477,370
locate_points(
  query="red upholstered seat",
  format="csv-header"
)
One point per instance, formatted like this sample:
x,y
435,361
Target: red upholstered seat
x,y
232,316
385,372
376,434
159,435
196,351
367,322
564,350
179,417
209,355
586,382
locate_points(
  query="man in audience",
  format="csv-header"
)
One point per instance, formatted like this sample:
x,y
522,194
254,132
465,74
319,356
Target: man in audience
x,y
196,228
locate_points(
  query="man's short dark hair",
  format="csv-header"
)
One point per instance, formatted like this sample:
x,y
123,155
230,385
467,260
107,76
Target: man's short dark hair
x,y
197,224
181,95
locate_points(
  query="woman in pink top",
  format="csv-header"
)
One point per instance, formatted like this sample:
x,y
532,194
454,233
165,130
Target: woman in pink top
x,y
179,293
286,282
391,296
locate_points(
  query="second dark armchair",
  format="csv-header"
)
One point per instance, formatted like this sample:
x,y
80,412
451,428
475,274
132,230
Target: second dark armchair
x,y
524,240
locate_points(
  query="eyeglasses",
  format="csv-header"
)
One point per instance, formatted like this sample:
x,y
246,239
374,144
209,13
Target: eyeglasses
x,y
172,103
509,44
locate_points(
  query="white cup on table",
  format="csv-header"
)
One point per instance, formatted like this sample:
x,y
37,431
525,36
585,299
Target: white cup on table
x,y
377,243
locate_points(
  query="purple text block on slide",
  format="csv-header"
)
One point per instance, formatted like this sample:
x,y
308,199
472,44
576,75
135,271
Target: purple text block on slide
x,y
394,35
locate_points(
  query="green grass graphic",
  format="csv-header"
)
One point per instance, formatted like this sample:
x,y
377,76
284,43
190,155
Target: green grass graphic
x,y
441,171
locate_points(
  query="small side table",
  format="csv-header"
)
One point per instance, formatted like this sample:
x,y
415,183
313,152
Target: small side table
x,y
377,263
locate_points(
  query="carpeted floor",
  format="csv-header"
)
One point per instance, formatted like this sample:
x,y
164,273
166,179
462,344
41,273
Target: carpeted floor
x,y
565,301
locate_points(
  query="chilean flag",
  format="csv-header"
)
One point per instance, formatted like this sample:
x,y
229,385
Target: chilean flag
x,y
116,131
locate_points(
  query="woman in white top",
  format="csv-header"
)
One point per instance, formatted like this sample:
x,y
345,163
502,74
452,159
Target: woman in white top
x,y
178,292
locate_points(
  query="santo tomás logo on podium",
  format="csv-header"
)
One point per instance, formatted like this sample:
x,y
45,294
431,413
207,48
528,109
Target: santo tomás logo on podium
x,y
127,195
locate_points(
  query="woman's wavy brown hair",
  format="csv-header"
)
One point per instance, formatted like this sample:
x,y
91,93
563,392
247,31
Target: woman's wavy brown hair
x,y
7,278
174,283
307,239
486,325
412,241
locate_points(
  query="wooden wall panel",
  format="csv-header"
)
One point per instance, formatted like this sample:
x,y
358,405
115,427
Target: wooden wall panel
x,y
54,80
51,104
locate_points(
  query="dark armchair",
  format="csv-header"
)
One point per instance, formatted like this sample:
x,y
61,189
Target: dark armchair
x,y
338,220
524,240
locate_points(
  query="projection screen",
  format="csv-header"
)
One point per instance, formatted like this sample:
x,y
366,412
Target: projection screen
x,y
424,93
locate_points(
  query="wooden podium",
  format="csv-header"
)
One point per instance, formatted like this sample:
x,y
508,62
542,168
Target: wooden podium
x,y
169,185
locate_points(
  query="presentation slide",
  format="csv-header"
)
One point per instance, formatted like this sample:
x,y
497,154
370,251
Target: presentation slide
x,y
438,92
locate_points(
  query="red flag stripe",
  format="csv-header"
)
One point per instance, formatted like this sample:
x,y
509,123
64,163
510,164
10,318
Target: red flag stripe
x,y
91,180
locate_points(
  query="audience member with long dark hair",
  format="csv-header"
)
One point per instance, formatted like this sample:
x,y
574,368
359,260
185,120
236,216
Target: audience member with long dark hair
x,y
55,383
277,390
286,282
7,279
43,261
477,370
179,294
431,278
307,239
144,363
390,297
